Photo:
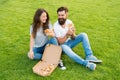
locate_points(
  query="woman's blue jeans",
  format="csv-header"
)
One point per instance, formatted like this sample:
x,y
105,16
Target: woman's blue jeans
x,y
38,51
66,47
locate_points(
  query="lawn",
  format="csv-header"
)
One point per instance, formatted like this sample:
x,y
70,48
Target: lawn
x,y
100,19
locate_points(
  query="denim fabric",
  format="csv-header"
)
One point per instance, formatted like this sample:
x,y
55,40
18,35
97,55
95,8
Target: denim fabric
x,y
38,51
66,47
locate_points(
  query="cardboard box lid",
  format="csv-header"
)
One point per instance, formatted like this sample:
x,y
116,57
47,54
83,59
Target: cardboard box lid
x,y
52,54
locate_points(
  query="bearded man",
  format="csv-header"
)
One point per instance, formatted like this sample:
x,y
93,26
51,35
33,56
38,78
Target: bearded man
x,y
64,29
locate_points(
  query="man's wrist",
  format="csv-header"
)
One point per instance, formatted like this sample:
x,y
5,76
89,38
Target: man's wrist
x,y
67,35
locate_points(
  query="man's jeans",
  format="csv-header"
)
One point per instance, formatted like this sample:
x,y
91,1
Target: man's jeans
x,y
38,51
66,47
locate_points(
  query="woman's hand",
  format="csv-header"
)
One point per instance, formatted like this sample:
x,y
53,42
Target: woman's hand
x,y
49,32
31,54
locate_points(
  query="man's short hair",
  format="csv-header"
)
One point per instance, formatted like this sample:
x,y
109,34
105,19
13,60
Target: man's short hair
x,y
62,9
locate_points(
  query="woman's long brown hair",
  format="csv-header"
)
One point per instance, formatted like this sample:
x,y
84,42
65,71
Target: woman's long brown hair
x,y
37,22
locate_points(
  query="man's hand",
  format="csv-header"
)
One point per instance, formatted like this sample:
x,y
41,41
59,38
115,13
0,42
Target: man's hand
x,y
70,31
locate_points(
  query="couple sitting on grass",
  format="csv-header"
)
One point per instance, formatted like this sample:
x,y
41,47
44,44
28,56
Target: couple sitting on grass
x,y
63,35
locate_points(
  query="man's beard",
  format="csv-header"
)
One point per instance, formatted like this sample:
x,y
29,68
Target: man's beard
x,y
61,21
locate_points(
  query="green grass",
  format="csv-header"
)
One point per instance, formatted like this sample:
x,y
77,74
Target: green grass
x,y
100,19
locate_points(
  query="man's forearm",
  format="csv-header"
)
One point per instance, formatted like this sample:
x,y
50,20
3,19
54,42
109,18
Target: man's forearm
x,y
62,40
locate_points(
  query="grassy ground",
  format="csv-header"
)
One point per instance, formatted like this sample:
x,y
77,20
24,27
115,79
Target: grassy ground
x,y
100,19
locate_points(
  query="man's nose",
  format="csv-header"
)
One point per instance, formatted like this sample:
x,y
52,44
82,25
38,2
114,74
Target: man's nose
x,y
60,16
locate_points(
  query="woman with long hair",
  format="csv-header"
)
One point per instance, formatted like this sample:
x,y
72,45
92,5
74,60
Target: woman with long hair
x,y
40,31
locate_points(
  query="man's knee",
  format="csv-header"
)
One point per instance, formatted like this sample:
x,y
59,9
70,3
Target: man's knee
x,y
63,46
84,34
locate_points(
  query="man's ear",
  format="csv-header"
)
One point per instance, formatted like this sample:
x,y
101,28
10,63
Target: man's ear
x,y
67,14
